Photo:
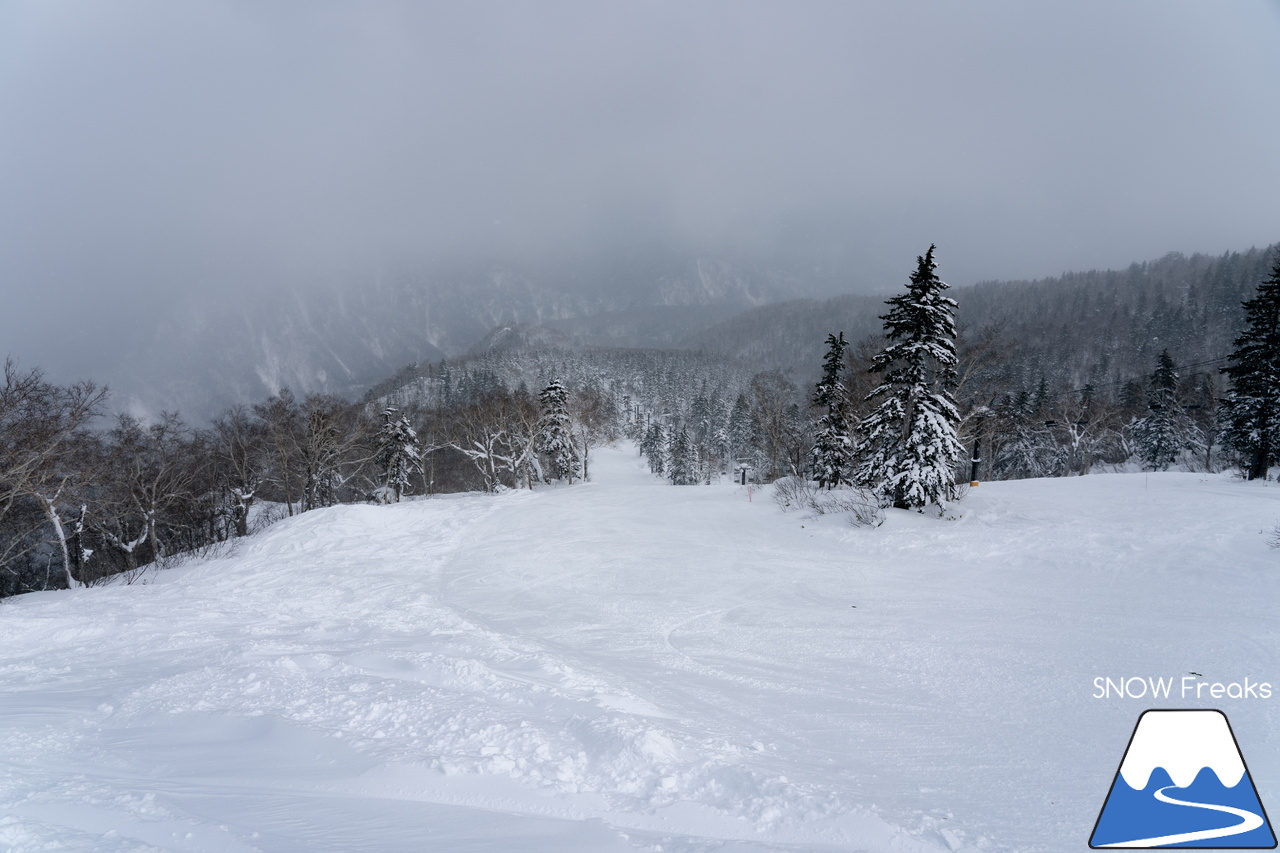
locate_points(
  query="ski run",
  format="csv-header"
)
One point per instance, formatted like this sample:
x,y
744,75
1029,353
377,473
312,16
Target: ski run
x,y
627,665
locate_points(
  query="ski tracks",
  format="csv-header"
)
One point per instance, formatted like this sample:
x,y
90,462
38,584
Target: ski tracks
x,y
576,585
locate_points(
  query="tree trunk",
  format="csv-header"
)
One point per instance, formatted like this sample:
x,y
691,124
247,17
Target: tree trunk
x,y
79,556
51,512
152,538
1258,469
240,513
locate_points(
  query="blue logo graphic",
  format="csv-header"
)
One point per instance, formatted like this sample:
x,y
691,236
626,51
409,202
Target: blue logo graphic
x,y
1183,783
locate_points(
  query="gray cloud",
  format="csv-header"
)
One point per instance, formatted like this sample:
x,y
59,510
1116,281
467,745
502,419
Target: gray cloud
x,y
151,148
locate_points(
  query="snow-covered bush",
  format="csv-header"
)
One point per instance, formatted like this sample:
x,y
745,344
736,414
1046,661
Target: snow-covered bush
x,y
793,493
859,506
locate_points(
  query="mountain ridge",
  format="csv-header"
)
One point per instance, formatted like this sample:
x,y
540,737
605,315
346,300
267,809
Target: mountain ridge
x,y
213,352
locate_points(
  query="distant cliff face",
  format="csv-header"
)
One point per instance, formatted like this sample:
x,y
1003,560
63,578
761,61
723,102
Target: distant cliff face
x,y
213,352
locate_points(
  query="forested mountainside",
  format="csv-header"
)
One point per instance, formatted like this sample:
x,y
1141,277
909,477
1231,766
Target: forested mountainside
x,y
340,339
1054,378
660,327
656,381
1100,328
1108,327
1092,327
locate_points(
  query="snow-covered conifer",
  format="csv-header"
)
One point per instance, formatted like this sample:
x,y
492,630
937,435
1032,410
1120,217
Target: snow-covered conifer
x,y
1023,445
399,455
654,448
908,449
1162,434
700,419
832,450
555,436
682,459
741,428
721,446
1251,412
632,426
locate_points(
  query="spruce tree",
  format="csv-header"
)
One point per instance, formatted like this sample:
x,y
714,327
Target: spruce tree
x,y
908,449
700,417
654,448
1024,445
682,456
832,450
1251,411
555,439
721,447
1162,433
741,428
398,453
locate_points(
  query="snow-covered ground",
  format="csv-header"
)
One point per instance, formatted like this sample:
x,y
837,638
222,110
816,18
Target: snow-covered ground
x,y
629,665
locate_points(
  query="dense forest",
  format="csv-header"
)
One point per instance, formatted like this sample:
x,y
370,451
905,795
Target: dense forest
x,y
1053,378
1079,328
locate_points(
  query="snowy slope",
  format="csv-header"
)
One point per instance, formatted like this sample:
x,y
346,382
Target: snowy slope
x,y
629,665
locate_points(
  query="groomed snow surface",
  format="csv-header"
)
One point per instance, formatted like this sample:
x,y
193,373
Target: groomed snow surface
x,y
627,665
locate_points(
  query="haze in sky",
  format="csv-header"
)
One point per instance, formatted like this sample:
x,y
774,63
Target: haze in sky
x,y
149,149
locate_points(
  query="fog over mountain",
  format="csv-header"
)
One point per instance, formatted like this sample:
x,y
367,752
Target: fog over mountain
x,y
213,352
173,176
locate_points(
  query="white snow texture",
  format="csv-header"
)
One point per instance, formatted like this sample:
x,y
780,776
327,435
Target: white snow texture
x,y
626,665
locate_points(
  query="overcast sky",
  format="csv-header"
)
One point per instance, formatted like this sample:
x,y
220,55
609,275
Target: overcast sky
x,y
147,148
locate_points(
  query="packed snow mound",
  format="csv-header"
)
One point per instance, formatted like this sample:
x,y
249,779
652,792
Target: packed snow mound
x,y
626,665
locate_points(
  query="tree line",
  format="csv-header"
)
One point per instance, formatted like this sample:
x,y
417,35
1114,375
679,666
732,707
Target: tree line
x,y
910,411
1103,329
81,500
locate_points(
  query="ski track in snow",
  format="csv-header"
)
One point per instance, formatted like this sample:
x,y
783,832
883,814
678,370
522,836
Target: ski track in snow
x,y
627,665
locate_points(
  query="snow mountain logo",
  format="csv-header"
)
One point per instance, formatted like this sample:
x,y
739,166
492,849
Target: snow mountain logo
x,y
1183,783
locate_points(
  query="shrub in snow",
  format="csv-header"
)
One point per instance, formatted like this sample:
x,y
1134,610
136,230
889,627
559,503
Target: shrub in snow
x,y
860,508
